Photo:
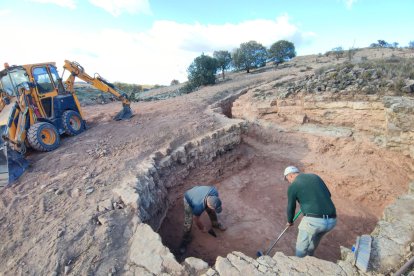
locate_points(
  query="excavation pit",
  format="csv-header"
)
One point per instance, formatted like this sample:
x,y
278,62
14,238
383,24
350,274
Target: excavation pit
x,y
250,183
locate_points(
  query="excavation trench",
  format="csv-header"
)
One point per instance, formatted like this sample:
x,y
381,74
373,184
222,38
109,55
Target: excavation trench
x,y
253,196
250,183
246,163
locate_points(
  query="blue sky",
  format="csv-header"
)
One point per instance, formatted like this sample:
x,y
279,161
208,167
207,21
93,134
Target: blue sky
x,y
154,41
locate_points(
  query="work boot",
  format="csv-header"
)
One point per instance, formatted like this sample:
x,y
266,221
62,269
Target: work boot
x,y
184,242
220,226
182,249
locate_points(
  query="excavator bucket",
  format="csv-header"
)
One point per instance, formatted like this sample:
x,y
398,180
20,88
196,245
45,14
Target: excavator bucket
x,y
12,165
4,170
124,114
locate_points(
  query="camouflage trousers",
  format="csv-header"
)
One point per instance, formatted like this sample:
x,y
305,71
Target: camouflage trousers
x,y
188,221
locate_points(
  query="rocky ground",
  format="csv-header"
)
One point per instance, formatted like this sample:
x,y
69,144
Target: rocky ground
x,y
82,208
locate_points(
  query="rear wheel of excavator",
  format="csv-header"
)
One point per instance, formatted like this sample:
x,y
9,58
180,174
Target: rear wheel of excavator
x,y
72,122
43,136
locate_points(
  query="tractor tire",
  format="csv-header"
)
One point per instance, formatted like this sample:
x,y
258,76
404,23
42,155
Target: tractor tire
x,y
72,122
43,136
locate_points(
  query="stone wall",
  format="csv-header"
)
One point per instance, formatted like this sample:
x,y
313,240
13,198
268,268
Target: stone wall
x,y
387,121
399,130
392,241
146,193
393,238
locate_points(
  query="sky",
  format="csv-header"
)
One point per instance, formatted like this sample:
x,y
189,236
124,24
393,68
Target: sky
x,y
155,41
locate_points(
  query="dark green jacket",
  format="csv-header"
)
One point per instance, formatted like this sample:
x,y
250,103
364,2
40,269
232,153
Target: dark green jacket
x,y
312,194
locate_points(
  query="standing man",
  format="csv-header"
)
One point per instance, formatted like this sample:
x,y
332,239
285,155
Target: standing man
x,y
319,212
197,200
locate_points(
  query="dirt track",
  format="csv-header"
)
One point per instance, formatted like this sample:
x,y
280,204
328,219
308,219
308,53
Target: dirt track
x,y
48,218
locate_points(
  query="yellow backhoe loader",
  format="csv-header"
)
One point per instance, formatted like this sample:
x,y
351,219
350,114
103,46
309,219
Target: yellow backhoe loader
x,y
37,106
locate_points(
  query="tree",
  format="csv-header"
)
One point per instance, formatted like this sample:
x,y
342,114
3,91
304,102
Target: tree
x,y
250,55
382,43
202,71
223,59
411,44
282,51
175,82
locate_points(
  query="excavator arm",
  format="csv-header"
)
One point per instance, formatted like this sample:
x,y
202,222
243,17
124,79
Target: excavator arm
x,y
77,71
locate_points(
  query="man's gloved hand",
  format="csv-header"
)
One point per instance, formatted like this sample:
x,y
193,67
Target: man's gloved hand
x,y
289,224
211,232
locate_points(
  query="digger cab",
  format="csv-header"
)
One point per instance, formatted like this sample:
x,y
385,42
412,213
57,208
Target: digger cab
x,y
35,110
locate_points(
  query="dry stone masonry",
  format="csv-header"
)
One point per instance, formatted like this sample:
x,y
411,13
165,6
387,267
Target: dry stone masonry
x,y
147,194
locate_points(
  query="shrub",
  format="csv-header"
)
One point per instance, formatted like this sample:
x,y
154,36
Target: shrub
x,y
187,88
338,51
398,85
351,53
322,69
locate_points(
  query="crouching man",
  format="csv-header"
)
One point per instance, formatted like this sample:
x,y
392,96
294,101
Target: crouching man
x,y
197,200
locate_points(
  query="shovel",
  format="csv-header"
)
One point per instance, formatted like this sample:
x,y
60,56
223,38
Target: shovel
x,y
260,253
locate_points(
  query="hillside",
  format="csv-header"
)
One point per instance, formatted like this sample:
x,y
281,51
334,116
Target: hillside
x,y
109,201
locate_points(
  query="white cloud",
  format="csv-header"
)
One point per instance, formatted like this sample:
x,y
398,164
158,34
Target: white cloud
x,y
349,3
5,12
63,3
116,7
155,56
199,38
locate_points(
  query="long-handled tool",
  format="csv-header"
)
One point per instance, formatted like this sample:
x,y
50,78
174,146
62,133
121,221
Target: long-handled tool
x,y
260,253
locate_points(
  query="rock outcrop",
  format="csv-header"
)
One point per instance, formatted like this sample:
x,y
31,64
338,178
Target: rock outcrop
x,y
387,121
399,129
394,234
